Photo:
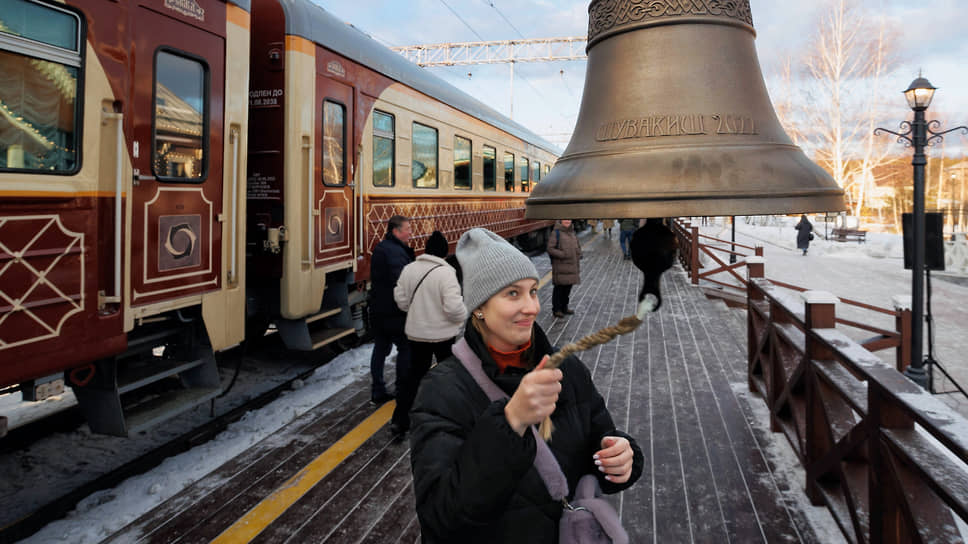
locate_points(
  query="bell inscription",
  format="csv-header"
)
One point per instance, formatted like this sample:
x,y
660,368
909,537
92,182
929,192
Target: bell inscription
x,y
654,126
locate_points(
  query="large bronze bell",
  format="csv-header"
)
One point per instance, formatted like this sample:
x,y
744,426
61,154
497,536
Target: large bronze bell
x,y
675,120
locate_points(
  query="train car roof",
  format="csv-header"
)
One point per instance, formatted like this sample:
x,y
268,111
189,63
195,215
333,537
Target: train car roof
x,y
307,20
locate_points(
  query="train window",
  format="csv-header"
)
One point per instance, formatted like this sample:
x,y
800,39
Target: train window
x,y
509,172
423,167
462,163
383,153
180,118
334,143
490,168
40,59
547,169
535,172
524,167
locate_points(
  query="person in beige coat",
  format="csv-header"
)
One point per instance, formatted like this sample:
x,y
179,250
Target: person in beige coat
x,y
429,292
607,225
565,253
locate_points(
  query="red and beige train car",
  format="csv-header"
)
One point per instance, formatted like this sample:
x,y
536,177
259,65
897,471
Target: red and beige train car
x,y
177,174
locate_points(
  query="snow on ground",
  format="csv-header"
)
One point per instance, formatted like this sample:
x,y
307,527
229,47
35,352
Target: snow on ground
x,y
105,512
871,272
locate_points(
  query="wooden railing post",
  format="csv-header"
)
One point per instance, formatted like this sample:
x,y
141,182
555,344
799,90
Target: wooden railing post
x,y
694,257
755,269
902,321
888,522
819,313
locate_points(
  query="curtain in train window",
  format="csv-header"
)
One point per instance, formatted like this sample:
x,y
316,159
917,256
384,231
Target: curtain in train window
x,y
509,172
490,168
525,179
462,163
181,118
334,143
40,64
383,154
423,167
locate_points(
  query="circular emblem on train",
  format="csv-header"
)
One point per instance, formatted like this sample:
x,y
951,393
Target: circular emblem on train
x,y
335,219
178,241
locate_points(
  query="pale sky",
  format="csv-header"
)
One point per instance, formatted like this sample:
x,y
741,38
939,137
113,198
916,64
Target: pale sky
x,y
547,95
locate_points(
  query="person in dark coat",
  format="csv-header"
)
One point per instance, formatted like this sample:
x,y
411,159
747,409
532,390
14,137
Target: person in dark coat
x,y
565,253
804,230
386,320
473,460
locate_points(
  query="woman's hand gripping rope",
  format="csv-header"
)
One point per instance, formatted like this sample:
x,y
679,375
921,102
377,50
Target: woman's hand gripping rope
x,y
625,325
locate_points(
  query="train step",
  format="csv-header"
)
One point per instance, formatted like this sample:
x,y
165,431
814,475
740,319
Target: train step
x,y
154,389
313,332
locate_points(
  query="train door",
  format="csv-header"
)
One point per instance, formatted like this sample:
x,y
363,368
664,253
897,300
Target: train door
x,y
177,110
333,207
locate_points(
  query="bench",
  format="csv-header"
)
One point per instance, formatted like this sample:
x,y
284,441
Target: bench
x,y
848,235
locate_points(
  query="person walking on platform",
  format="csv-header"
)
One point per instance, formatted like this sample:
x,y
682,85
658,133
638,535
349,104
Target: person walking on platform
x,y
479,471
627,228
804,233
386,319
430,294
565,253
607,225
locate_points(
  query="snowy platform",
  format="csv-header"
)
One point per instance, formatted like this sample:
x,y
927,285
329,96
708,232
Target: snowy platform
x,y
713,471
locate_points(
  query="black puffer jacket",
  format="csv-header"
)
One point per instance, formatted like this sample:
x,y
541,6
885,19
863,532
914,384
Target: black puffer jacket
x,y
386,264
474,477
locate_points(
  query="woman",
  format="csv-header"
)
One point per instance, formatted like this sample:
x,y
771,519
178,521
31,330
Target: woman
x,y
429,292
473,460
804,229
565,253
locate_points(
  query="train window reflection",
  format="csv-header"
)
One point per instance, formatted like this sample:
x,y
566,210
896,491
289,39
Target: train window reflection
x,y
37,22
181,121
38,114
383,154
525,179
509,172
490,168
423,167
334,143
462,163
535,172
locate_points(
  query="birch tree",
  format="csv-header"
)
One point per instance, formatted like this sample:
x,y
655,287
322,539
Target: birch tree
x,y
843,67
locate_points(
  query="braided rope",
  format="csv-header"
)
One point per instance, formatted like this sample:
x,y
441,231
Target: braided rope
x,y
625,325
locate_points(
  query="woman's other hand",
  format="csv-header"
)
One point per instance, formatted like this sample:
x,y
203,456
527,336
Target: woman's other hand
x,y
615,459
534,399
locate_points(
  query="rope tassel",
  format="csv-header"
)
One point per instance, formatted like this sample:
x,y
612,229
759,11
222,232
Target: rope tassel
x,y
625,325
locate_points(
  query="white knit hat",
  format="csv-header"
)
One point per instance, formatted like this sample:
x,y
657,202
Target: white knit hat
x,y
489,263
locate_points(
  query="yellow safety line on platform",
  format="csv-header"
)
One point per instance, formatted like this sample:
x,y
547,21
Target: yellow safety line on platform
x,y
271,507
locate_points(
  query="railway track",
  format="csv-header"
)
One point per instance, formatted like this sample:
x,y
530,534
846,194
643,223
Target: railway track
x,y
71,419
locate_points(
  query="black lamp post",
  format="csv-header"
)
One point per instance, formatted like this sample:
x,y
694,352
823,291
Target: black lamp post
x,y
919,95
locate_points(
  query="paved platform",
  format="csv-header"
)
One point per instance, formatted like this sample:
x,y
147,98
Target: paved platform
x,y
335,474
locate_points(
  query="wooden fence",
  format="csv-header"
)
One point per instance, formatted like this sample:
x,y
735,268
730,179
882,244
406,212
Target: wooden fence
x,y
887,458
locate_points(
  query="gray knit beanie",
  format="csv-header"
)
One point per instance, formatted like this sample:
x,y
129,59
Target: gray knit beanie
x,y
490,264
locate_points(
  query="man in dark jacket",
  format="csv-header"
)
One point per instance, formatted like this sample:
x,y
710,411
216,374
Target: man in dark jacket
x,y
386,320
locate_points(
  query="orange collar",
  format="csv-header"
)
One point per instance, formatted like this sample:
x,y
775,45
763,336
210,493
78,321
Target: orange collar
x,y
505,359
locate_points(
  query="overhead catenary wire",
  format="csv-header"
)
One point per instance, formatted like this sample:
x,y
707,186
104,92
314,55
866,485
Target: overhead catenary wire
x,y
462,20
506,20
